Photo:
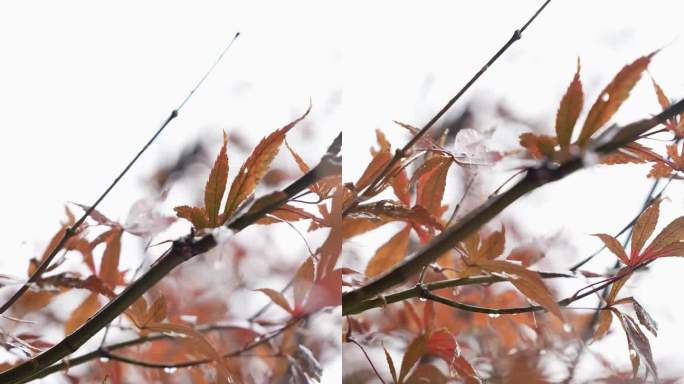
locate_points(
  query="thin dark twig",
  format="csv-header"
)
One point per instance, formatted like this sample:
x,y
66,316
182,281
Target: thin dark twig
x,y
367,358
72,230
517,34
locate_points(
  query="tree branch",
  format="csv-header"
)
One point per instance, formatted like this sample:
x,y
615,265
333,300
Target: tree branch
x,y
401,153
73,229
182,250
535,177
435,285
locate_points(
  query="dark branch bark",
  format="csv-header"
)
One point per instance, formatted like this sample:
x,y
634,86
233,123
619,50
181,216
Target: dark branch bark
x,y
534,178
181,251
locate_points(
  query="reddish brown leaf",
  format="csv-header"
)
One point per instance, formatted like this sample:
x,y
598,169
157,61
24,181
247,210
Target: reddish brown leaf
x,y
326,292
277,298
390,364
644,227
604,321
216,186
427,373
431,183
82,313
256,166
197,216
414,351
389,253
157,311
538,146
373,170
660,171
612,97
672,233
109,267
303,281
442,343
527,282
569,110
614,246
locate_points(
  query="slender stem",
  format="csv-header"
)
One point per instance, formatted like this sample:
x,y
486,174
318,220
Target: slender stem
x,y
517,34
73,229
182,250
351,340
415,292
534,178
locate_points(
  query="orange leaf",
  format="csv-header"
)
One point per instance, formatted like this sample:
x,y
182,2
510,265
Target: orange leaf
x,y
303,281
109,267
414,352
326,292
197,216
614,246
604,321
390,364
373,169
527,282
216,186
431,183
569,109
644,227
672,233
82,313
660,171
200,342
612,97
256,166
441,343
493,246
277,298
538,146
157,311
389,253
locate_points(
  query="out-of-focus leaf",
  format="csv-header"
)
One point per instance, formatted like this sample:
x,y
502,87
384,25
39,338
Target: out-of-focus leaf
x,y
197,216
442,343
612,97
326,292
569,110
303,281
604,321
527,282
277,298
82,313
538,146
109,267
256,166
427,374
389,253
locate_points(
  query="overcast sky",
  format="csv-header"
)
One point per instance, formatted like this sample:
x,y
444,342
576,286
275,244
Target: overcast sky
x,y
84,84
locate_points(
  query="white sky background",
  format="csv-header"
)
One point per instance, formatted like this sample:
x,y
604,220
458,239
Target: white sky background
x,y
83,86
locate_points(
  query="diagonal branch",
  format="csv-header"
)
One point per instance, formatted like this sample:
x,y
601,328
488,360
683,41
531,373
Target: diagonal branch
x,y
418,290
73,229
182,250
401,153
534,178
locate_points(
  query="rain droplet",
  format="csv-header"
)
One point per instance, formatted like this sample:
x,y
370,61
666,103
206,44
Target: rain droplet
x,y
493,315
567,328
170,369
422,299
632,353
605,97
104,359
513,351
542,351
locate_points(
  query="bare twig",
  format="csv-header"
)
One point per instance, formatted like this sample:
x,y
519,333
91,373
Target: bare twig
x,y
401,153
72,230
182,250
